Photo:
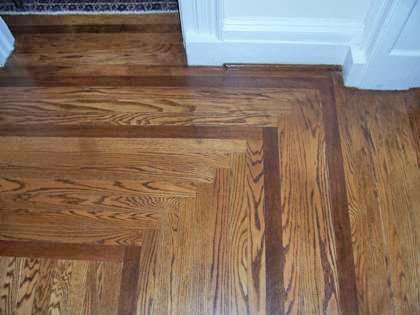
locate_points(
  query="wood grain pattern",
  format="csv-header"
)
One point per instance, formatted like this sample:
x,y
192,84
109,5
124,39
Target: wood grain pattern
x,y
244,81
61,251
154,132
153,100
176,106
129,281
205,147
9,284
96,28
29,187
133,184
338,199
109,166
310,271
12,68
151,54
413,110
386,153
171,18
70,232
98,288
256,247
275,258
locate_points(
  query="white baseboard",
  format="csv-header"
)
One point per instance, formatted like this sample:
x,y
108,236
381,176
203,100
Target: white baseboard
x,y
7,42
216,53
281,41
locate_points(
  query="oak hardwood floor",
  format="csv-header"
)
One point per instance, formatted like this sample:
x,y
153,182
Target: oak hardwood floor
x,y
132,184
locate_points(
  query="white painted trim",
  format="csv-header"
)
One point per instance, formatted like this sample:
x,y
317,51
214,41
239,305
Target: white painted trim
x,y
216,53
212,39
358,56
200,17
7,42
331,31
365,63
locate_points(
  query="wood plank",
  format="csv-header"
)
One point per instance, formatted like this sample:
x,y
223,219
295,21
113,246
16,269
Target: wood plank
x,y
413,110
250,81
383,134
28,280
35,114
244,242
98,288
58,297
369,252
95,28
85,217
110,166
256,243
235,118
275,259
210,259
69,234
9,283
12,68
143,54
31,187
41,100
129,281
93,42
310,267
339,210
207,147
148,287
61,251
155,132
168,18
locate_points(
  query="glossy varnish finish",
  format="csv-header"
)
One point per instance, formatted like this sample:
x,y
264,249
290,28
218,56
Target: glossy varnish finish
x,y
132,184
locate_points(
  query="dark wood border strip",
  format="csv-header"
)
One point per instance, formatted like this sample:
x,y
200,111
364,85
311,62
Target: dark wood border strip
x,y
166,81
413,111
39,72
275,260
61,251
129,281
339,205
187,132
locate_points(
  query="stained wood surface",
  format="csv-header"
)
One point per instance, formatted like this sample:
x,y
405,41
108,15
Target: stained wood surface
x,y
383,183
310,270
132,184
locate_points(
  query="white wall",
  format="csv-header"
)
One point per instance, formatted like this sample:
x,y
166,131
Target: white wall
x,y
6,42
314,9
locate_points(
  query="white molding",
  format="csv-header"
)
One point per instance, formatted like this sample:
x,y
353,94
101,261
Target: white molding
x,y
215,52
367,65
201,17
358,56
333,31
374,21
7,42
212,39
